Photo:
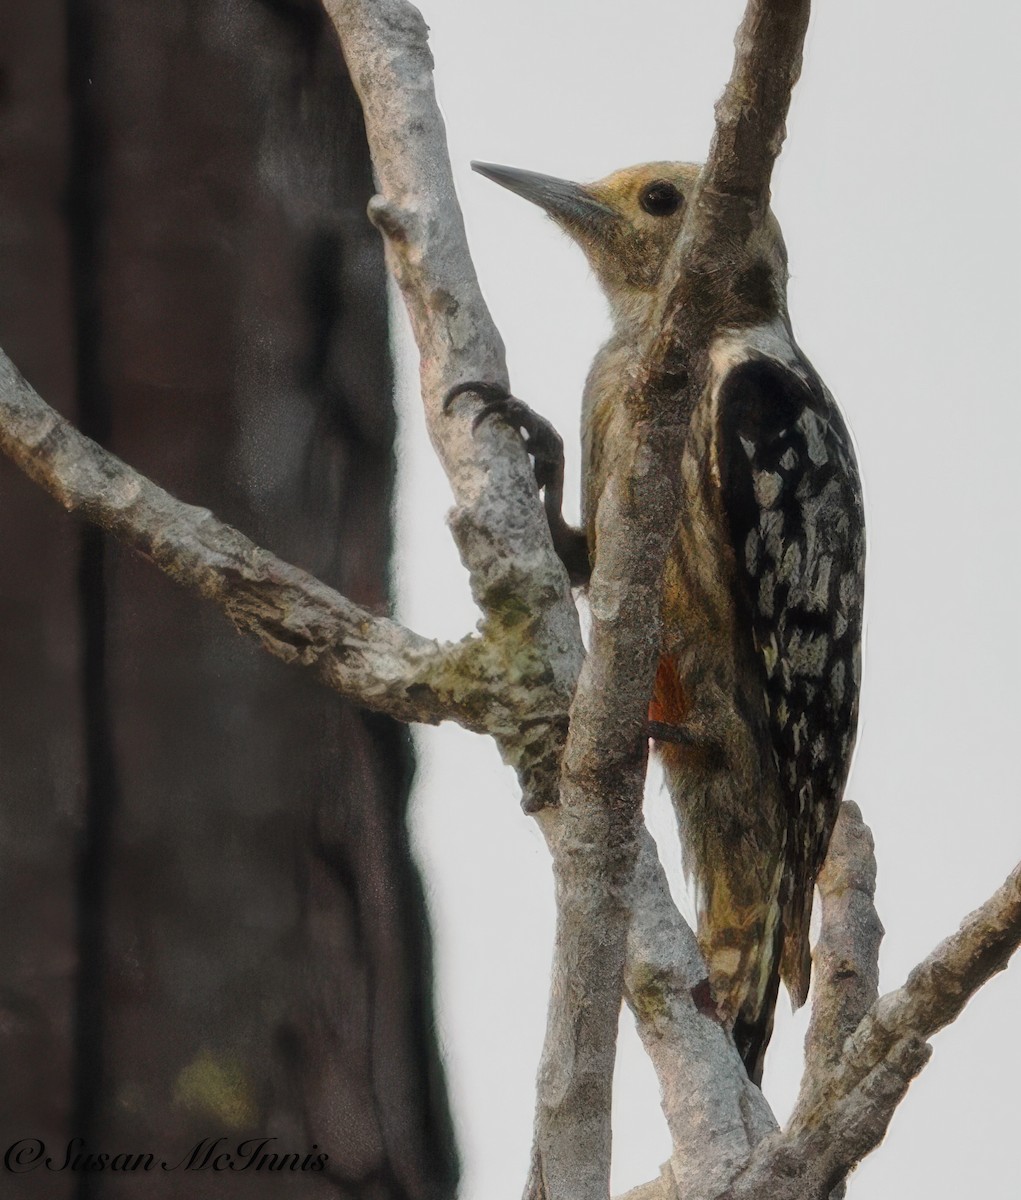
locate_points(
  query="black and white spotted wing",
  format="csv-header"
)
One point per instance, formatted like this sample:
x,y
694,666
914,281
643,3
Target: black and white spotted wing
x,y
792,500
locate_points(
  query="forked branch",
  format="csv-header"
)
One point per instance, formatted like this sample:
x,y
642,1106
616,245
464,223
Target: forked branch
x,y
852,1087
847,1112
861,1052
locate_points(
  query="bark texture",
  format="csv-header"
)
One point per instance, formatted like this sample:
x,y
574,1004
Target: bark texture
x,y
210,921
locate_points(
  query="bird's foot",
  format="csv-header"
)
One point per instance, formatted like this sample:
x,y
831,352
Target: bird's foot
x,y
542,441
660,731
698,741
546,448
702,997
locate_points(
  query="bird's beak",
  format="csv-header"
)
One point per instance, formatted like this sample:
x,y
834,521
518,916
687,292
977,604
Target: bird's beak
x,y
572,204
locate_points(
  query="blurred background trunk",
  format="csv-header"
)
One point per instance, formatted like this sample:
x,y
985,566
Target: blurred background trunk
x,y
210,924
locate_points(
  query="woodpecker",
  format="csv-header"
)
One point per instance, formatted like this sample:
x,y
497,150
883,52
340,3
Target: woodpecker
x,y
763,586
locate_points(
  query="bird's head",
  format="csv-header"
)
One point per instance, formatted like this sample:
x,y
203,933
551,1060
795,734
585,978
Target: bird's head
x,y
627,223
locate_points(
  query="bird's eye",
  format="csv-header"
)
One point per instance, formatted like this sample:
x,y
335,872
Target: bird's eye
x,y
660,198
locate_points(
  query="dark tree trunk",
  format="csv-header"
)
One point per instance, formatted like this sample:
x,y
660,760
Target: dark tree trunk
x,y
210,924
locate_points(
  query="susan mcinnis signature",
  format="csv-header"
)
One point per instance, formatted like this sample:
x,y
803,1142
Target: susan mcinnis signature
x,y
210,1154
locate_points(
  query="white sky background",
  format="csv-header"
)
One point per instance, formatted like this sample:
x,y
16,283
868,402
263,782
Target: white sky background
x,y
899,192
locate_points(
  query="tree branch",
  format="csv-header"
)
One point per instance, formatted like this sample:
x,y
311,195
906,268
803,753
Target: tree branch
x,y
369,659
711,280
663,1187
595,843
594,835
849,1108
498,522
889,1046
713,1111
604,762
522,588
750,114
845,961
706,291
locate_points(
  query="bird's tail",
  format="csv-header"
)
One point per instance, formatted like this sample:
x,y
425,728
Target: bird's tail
x,y
753,1025
789,958
796,960
741,913
743,948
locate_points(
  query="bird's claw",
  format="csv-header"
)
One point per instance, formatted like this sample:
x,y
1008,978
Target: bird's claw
x,y
485,391
542,441
546,448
